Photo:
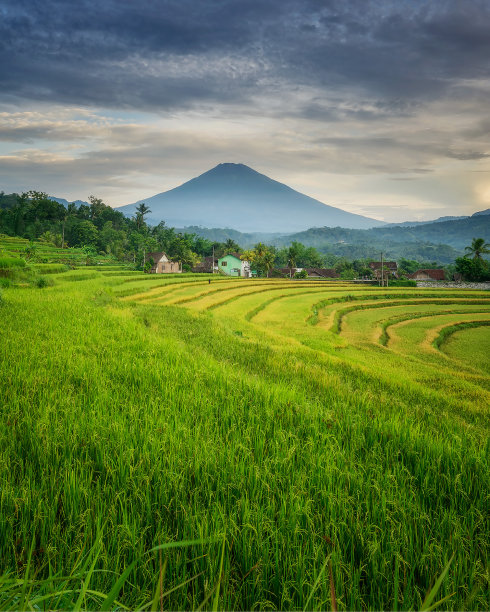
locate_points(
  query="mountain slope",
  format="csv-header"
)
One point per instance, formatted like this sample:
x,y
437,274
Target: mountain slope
x,y
234,195
456,233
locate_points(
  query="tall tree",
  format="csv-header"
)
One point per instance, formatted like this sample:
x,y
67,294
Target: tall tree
x,y
231,246
478,248
293,253
141,211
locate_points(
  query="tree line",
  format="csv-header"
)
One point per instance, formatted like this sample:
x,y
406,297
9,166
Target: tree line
x,y
98,227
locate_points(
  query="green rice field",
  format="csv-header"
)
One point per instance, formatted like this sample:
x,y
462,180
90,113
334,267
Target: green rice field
x,y
195,442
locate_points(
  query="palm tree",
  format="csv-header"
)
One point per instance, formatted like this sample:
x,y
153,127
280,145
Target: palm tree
x,y
268,261
478,248
141,211
293,253
231,246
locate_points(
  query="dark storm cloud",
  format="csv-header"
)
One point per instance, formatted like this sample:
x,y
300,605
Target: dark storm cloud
x,y
178,53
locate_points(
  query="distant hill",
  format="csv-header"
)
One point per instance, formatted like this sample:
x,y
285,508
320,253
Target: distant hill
x,y
440,241
66,202
235,196
439,220
457,233
414,223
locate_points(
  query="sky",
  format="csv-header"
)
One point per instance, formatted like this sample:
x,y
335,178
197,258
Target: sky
x,y
378,107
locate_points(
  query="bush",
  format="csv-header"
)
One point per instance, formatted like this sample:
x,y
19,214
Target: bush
x,y
5,282
301,274
43,282
405,282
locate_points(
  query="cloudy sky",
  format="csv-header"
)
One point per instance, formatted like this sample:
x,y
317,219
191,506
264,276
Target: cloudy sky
x,y
378,107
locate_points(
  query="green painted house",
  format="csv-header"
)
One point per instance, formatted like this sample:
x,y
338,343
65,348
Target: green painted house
x,y
232,265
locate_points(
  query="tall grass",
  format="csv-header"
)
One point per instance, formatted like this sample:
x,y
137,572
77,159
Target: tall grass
x,y
127,427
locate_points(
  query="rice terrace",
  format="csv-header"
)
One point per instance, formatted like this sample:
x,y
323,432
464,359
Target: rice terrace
x,y
199,442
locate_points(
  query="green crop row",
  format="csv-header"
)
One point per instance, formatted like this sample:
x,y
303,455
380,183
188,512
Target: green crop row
x,y
240,458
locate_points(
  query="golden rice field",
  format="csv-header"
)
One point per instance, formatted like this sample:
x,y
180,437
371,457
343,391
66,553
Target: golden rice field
x,y
195,442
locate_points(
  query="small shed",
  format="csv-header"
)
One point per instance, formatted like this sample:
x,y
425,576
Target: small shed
x,y
428,274
162,264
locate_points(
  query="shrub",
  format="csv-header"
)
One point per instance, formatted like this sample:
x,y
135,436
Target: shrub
x,y
403,282
43,282
301,274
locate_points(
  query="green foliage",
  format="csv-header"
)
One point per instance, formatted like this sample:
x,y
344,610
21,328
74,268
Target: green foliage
x,y
301,274
42,282
478,248
473,270
402,282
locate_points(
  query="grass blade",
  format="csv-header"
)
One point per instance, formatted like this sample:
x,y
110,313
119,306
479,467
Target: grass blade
x,y
220,576
317,581
427,604
114,592
333,599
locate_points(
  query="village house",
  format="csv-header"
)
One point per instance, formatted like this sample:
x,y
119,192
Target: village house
x,y
207,265
162,264
390,269
435,274
322,273
232,265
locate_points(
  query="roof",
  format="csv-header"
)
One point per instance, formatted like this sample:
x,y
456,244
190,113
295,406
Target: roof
x,y
235,255
156,256
376,265
324,272
435,274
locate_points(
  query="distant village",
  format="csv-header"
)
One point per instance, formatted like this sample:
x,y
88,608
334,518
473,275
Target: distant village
x,y
233,264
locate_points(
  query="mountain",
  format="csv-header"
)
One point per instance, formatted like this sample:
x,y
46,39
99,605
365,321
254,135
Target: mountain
x,y
439,220
234,195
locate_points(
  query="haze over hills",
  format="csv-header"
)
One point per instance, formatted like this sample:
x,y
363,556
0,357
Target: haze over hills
x,y
439,240
234,195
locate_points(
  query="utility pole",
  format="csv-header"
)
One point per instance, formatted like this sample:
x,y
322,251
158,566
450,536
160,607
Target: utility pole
x,y
212,265
382,274
63,233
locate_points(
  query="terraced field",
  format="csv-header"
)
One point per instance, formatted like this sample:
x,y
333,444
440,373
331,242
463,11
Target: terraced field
x,y
45,252
391,332
285,443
